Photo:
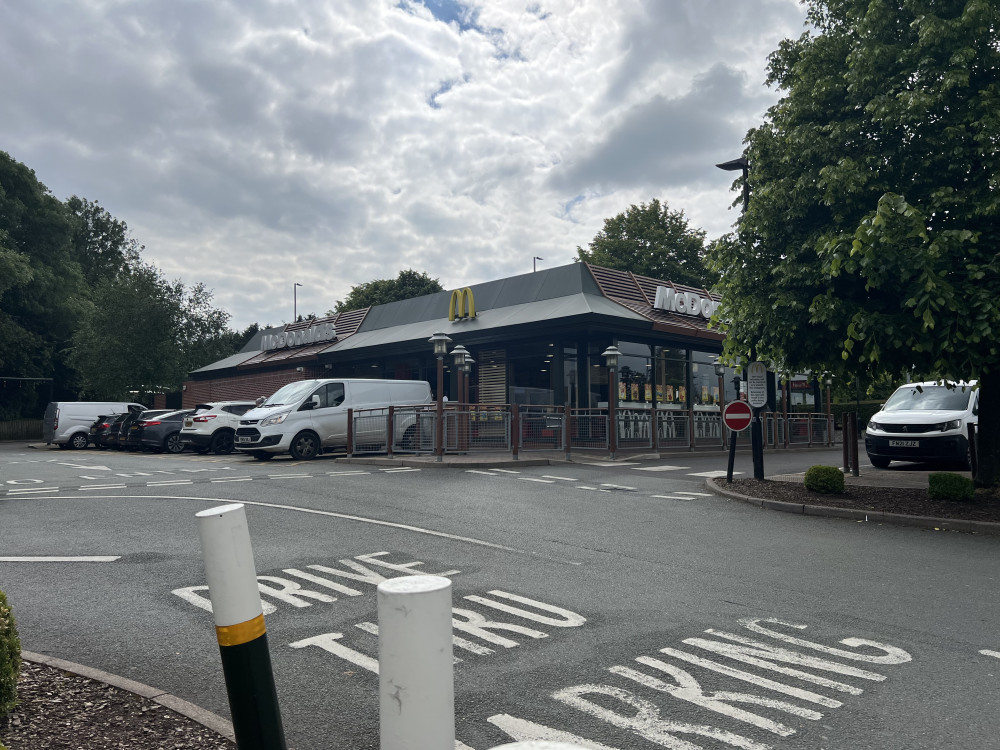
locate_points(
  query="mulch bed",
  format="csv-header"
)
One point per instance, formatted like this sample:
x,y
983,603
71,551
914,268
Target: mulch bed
x,y
63,711
914,502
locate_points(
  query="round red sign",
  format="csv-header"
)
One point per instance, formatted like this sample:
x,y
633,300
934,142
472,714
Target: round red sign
x,y
736,416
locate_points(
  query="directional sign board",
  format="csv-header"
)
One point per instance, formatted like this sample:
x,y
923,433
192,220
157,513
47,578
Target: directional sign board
x,y
736,416
757,384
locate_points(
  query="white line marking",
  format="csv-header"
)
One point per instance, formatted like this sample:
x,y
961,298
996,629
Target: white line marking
x,y
563,479
75,558
695,494
609,463
661,468
670,497
536,479
477,471
232,479
170,483
507,471
585,487
103,487
289,476
713,474
33,489
616,486
987,652
400,470
346,473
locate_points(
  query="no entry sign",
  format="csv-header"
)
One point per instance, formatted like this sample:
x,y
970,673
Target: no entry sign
x,y
736,416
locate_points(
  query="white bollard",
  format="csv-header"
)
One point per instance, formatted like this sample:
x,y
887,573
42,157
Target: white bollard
x,y
538,745
416,677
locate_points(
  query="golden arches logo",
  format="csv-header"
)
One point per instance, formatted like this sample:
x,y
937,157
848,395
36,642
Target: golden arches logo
x,y
462,305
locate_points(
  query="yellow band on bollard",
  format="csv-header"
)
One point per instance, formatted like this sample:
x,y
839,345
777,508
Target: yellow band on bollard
x,y
243,632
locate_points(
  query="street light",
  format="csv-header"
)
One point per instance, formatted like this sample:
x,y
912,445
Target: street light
x,y
534,264
295,301
611,355
460,353
440,343
720,372
467,369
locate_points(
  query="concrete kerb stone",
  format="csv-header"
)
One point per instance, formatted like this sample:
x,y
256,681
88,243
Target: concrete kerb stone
x,y
199,715
898,519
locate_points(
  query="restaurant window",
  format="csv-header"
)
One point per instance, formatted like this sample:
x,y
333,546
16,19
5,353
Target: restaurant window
x,y
705,393
670,368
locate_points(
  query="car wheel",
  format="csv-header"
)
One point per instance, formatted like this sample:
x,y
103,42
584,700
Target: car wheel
x,y
173,443
410,438
305,446
79,441
262,455
878,462
222,443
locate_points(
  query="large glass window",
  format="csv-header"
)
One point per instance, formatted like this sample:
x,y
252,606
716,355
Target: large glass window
x,y
670,367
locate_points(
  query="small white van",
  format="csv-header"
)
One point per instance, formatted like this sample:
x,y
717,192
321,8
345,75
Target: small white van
x,y
924,422
307,417
67,423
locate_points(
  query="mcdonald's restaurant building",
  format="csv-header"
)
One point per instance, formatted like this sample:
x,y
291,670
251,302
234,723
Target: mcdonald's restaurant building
x,y
536,339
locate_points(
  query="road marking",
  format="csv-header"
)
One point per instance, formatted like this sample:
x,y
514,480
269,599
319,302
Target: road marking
x,y
536,479
346,473
477,471
400,470
563,479
616,486
695,494
33,489
592,489
665,467
507,471
609,463
713,474
289,476
169,483
86,466
54,558
103,487
231,479
987,652
671,497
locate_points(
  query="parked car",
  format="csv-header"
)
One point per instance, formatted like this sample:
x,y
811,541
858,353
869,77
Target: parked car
x,y
924,422
125,427
99,427
106,435
211,427
157,432
67,423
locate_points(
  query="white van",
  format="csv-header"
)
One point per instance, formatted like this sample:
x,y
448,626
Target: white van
x,y
306,417
67,423
924,422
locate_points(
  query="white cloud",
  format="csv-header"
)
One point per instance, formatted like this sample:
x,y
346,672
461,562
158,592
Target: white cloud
x,y
252,145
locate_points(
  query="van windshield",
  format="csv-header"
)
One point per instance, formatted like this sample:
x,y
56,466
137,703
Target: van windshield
x,y
290,394
929,398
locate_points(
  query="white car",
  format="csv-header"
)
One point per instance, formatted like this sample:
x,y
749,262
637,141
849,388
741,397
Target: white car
x,y
211,427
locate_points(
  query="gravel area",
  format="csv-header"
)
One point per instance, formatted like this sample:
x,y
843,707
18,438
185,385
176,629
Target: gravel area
x,y
63,711
913,502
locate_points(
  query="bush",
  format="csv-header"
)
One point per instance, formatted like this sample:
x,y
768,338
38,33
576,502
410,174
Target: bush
x,y
946,485
825,479
10,658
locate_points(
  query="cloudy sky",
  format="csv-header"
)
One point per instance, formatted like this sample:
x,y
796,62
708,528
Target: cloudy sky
x,y
252,144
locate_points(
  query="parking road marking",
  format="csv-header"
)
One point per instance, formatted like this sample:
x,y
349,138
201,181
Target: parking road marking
x,y
987,652
103,487
169,483
713,474
33,489
232,479
694,494
536,479
564,479
665,467
74,558
477,471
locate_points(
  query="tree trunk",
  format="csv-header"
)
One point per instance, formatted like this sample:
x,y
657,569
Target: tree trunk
x,y
989,430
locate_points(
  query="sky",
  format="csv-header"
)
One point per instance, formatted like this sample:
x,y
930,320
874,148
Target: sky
x,y
254,144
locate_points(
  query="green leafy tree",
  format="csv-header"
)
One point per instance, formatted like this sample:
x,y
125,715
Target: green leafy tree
x,y
406,285
651,240
102,244
870,244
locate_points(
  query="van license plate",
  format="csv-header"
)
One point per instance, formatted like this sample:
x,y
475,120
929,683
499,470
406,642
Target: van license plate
x,y
904,443
244,439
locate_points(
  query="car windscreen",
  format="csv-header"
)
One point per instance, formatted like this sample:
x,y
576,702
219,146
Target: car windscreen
x,y
929,398
290,394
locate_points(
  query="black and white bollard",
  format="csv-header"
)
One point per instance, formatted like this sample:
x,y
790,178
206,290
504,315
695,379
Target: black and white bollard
x,y
239,627
416,673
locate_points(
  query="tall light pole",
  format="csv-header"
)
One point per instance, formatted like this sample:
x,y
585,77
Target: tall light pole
x,y
756,434
295,301
534,264
611,355
440,343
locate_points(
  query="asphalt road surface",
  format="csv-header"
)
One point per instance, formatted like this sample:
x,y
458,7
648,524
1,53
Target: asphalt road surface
x,y
612,606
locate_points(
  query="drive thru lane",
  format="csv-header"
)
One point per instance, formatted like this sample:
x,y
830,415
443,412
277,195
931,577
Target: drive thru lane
x,y
558,592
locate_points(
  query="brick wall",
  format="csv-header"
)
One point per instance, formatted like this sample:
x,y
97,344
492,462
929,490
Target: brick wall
x,y
244,387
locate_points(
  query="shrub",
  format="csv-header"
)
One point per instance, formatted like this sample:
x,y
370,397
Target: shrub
x,y
946,485
10,658
825,479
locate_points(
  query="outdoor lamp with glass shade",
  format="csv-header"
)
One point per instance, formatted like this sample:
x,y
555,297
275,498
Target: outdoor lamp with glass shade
x,y
460,353
467,369
440,343
611,355
720,373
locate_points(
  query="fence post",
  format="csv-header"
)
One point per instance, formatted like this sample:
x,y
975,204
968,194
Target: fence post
x,y
854,446
515,430
416,676
350,432
566,431
390,430
691,430
846,437
973,450
239,627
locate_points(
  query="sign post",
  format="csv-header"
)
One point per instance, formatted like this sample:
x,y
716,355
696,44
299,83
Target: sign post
x,y
757,396
736,417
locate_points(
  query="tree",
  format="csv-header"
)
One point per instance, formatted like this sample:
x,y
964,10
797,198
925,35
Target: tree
x,y
407,285
651,240
871,238
103,245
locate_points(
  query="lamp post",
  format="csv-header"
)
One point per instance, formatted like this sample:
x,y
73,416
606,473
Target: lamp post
x,y
611,355
440,343
295,301
720,372
460,353
829,412
467,370
534,264
756,434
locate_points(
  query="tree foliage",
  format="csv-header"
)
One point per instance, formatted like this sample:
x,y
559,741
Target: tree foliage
x,y
651,240
871,238
406,285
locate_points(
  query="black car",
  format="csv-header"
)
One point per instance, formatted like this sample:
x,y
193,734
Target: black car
x,y
129,425
104,432
158,432
100,425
